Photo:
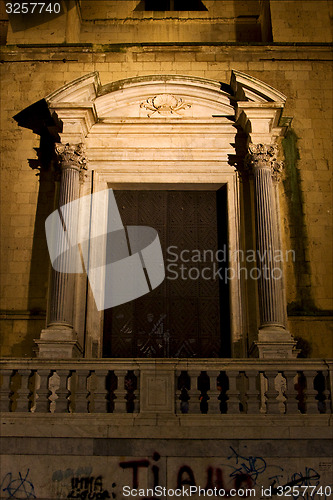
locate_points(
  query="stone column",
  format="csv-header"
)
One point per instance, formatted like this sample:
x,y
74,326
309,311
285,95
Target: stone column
x,y
273,340
59,339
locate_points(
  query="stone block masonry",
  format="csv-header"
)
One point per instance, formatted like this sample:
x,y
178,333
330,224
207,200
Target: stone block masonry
x,y
29,74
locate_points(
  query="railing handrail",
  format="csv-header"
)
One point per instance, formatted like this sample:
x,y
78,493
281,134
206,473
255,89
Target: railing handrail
x,y
172,363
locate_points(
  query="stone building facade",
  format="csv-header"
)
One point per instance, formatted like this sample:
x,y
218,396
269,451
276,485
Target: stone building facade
x,y
212,122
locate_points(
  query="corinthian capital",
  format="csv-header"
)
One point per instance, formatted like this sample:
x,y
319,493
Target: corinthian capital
x,y
264,156
71,156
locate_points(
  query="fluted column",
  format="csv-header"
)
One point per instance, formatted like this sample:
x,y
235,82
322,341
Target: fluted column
x,y
62,291
274,340
59,338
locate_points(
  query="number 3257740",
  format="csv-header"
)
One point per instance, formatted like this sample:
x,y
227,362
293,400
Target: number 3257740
x,y
32,8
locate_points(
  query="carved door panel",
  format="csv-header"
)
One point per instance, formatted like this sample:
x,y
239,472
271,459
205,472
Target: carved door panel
x,y
181,317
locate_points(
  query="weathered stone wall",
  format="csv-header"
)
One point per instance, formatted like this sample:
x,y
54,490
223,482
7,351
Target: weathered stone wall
x,y
125,21
303,74
309,21
102,457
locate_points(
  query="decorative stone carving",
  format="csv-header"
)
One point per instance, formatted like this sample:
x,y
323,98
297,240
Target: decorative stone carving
x,y
264,156
71,156
164,104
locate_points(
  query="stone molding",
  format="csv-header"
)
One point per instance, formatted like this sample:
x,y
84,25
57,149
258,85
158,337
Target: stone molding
x,y
158,426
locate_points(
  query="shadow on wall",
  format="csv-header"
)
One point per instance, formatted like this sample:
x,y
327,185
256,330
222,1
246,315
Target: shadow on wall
x,y
37,118
247,25
252,21
298,236
167,5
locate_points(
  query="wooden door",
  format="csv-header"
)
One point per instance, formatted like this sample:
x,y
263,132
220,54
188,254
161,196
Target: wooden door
x,y
181,317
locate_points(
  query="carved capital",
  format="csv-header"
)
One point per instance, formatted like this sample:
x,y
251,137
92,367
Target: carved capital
x,y
71,156
262,156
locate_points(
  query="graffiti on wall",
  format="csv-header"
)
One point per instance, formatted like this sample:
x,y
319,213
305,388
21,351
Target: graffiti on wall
x,y
88,487
237,471
17,486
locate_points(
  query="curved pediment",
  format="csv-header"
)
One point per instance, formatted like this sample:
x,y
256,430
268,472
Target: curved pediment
x,y
84,103
166,96
163,97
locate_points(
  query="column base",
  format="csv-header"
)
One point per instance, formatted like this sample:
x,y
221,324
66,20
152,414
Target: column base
x,y
276,342
58,343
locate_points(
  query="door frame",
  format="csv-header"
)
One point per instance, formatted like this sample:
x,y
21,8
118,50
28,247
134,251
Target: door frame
x,y
104,180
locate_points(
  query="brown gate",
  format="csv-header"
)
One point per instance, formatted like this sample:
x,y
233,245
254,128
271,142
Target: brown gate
x,y
181,317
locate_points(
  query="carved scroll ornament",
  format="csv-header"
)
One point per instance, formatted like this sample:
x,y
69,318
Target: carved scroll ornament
x,y
164,104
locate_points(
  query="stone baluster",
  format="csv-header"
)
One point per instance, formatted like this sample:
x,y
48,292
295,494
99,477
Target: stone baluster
x,y
101,393
233,393
81,391
326,393
272,403
252,393
330,385
120,403
62,392
274,340
136,393
43,392
5,402
194,393
34,383
310,393
178,393
213,393
291,393
59,340
23,392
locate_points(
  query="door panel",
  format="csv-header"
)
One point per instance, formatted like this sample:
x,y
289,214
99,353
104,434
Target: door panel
x,y
181,317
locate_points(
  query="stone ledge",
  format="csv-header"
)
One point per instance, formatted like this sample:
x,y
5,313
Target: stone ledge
x,y
163,426
169,446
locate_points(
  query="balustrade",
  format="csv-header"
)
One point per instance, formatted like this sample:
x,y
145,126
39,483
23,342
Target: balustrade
x,y
199,387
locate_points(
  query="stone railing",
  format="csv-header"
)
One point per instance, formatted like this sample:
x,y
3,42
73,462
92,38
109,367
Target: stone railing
x,y
167,386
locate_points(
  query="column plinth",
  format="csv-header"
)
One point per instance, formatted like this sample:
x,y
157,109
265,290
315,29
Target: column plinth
x,y
274,340
59,339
